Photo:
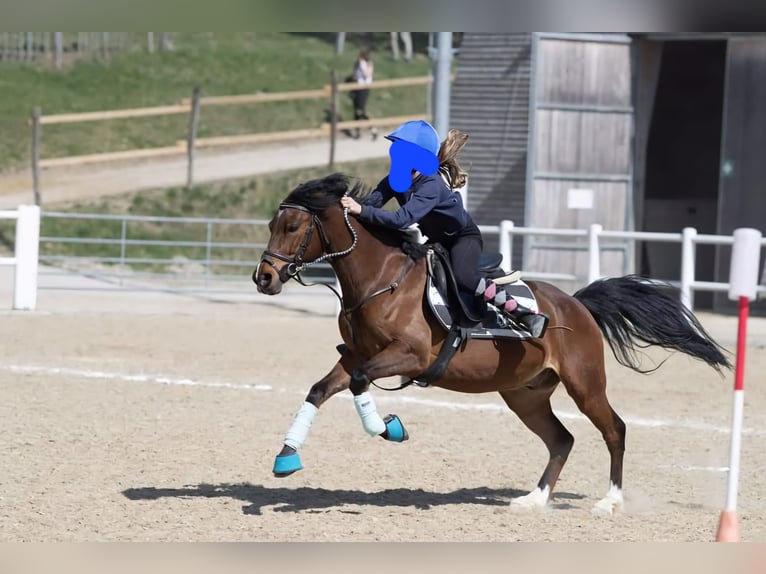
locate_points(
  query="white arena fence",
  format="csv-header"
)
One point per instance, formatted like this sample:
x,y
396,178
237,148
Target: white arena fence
x,y
212,263
25,255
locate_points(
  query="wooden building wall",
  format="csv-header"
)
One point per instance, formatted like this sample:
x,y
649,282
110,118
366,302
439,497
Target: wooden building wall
x,y
490,102
742,199
582,148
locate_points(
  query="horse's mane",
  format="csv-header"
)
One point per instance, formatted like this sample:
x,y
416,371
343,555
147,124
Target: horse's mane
x,y
318,195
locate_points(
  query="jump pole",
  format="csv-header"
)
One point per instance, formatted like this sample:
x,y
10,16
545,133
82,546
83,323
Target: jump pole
x,y
743,285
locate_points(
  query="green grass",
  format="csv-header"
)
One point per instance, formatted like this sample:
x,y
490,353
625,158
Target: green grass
x,y
252,198
221,63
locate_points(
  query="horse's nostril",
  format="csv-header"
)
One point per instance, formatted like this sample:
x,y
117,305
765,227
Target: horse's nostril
x,y
261,279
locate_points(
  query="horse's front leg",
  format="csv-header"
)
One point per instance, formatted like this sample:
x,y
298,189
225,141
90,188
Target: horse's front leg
x,y
288,461
396,359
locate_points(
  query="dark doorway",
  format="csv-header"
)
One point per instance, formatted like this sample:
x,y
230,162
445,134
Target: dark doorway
x,y
683,157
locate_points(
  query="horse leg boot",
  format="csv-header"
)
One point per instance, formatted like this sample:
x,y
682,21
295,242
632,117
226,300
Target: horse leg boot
x,y
288,461
396,359
490,292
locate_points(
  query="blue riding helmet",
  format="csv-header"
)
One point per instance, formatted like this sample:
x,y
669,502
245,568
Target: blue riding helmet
x,y
417,132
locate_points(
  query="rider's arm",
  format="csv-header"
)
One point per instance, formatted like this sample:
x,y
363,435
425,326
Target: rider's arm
x,y
379,196
422,201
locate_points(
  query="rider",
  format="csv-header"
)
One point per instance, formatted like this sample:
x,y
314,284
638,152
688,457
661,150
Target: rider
x,y
432,203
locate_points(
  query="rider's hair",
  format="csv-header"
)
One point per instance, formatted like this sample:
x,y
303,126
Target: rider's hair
x,y
448,152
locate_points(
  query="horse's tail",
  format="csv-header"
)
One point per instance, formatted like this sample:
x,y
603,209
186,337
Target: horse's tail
x,y
634,314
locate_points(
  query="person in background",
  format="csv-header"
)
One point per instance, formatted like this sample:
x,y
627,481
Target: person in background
x,y
406,41
362,75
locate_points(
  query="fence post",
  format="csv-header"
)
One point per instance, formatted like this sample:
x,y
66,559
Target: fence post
x,y
506,244
594,252
36,154
58,41
193,124
27,252
208,241
333,115
123,238
150,42
688,272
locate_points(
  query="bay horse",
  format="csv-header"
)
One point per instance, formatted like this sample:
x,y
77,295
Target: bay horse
x,y
388,330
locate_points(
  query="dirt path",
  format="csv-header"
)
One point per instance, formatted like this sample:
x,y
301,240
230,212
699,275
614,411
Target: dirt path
x,y
94,180
154,416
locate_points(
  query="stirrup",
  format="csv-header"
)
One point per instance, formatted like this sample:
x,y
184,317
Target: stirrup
x,y
522,318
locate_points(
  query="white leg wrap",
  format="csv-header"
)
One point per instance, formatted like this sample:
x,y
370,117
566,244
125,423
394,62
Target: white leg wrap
x,y
301,425
536,499
371,420
610,503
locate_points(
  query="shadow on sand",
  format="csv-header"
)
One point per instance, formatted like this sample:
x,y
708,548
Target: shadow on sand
x,y
309,499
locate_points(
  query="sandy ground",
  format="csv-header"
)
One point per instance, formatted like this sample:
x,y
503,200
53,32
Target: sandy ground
x,y
149,416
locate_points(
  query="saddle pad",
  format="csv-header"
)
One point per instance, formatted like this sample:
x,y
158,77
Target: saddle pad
x,y
492,326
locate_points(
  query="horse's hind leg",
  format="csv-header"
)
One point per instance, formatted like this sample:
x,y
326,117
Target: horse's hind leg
x,y
532,405
288,461
588,390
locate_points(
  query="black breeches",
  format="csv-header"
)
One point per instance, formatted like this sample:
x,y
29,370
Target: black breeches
x,y
464,254
360,104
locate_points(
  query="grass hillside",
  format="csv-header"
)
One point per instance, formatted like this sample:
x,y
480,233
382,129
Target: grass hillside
x,y
221,63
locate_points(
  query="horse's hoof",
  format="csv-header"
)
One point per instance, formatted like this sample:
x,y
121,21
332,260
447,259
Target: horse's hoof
x,y
395,431
536,499
611,503
286,464
606,507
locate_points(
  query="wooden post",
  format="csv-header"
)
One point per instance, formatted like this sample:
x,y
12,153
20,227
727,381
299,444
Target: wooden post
x,y
150,42
105,45
58,40
36,154
193,124
333,115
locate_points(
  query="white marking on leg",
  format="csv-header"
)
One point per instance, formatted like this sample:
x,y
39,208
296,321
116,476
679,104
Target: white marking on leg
x,y
299,430
611,502
368,412
535,499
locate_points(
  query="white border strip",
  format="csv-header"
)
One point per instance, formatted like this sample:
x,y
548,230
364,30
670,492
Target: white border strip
x,y
161,379
381,397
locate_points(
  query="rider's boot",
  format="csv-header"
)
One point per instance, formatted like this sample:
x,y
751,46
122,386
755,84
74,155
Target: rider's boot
x,y
535,323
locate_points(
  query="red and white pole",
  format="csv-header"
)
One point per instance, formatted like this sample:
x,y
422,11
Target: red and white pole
x,y
743,285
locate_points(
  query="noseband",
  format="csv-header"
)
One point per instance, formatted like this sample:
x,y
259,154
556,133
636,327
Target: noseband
x,y
296,264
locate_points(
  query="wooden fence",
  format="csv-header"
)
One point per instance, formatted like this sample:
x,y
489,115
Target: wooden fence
x,y
192,107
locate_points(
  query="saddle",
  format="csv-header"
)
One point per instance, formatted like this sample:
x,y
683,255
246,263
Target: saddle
x,y
456,312
454,307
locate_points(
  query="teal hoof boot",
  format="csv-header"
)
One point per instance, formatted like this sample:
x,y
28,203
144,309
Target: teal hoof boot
x,y
395,431
287,462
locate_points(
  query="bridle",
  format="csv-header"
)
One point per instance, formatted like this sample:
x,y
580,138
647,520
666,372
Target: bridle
x,y
296,264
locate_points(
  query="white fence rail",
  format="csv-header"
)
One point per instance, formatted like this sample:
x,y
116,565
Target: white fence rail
x,y
594,240
25,257
688,238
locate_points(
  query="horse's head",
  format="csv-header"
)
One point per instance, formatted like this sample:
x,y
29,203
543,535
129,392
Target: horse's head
x,y
298,237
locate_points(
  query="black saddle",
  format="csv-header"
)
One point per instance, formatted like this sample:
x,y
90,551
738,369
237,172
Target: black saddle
x,y
462,308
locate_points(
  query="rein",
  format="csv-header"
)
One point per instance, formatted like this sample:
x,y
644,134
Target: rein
x,y
388,289
296,265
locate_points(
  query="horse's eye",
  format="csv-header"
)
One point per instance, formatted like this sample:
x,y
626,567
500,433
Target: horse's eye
x,y
292,227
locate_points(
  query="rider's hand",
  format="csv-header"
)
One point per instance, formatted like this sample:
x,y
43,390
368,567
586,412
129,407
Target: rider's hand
x,y
353,207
